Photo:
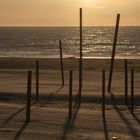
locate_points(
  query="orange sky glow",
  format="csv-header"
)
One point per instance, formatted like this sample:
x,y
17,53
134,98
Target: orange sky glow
x,y
66,12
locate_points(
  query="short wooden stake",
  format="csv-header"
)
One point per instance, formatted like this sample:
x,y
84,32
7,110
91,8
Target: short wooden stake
x,y
28,100
37,81
132,91
103,92
70,93
126,82
61,62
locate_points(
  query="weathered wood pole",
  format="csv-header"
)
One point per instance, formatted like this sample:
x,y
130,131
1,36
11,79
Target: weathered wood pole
x,y
113,52
61,62
28,98
126,82
70,93
132,91
103,92
80,59
37,81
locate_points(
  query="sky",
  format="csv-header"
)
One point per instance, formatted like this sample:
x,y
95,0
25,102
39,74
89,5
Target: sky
x,y
66,12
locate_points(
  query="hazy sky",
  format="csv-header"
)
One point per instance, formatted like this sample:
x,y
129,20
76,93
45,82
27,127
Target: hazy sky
x,y
66,12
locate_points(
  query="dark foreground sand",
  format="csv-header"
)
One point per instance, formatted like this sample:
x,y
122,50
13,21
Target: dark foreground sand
x,y
49,117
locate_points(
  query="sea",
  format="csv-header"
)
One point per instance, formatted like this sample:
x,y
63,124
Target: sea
x,y
43,42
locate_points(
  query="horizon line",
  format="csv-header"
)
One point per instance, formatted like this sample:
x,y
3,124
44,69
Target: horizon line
x,y
67,25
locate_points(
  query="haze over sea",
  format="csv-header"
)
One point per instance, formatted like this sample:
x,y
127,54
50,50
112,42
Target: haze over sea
x,y
43,42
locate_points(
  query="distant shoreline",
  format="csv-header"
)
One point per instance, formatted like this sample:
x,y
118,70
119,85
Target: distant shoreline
x,y
70,63
73,57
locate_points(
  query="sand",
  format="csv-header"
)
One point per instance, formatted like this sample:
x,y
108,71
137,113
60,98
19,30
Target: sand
x,y
49,117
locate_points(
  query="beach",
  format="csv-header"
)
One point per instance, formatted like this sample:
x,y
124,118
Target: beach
x,y
69,74
49,117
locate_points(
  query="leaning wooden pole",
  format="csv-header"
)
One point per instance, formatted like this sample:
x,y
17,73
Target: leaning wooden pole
x,y
113,52
61,62
80,59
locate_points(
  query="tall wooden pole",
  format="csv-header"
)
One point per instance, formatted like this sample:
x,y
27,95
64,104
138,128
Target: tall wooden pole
x,y
80,59
61,62
113,52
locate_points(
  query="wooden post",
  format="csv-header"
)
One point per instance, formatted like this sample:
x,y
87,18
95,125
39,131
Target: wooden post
x,y
132,91
61,62
103,92
37,81
113,52
80,59
126,83
28,100
70,93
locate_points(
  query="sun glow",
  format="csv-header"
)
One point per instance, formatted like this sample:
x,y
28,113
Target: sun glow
x,y
88,2
92,3
65,12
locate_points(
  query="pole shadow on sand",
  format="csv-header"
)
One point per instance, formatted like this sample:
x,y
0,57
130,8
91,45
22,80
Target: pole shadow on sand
x,y
17,136
71,120
49,97
12,116
131,128
105,126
